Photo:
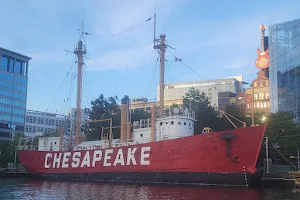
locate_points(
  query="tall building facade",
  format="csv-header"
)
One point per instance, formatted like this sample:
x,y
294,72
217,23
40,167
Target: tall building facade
x,y
13,92
214,89
37,123
284,48
257,98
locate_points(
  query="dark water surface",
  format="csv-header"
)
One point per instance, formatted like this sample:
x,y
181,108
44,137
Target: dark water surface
x,y
37,189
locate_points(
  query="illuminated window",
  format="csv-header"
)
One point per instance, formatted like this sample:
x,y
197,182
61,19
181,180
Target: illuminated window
x,y
267,95
255,96
261,96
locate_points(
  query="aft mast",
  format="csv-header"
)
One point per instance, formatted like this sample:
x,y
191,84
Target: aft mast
x,y
162,48
80,50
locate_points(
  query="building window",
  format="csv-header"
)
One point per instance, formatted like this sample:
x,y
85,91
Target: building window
x,y
4,63
261,96
261,83
17,68
257,105
265,104
255,84
267,95
267,83
255,96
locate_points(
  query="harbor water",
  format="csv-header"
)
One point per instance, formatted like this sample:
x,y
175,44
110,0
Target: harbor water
x,y
38,189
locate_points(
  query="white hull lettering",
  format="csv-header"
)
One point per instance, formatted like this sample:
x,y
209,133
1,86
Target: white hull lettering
x,y
97,157
107,158
56,160
145,155
46,165
76,159
86,160
130,156
119,158
65,161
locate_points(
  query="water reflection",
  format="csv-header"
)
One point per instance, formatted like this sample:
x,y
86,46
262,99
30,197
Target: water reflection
x,y
36,189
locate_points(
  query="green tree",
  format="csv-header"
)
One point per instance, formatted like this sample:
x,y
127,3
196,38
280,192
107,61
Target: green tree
x,y
140,114
104,108
7,149
205,114
283,131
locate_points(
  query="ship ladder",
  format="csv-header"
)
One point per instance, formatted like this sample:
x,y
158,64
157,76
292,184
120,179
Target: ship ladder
x,y
245,176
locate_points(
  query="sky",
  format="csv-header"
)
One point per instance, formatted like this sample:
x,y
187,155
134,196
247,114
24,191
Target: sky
x,y
217,39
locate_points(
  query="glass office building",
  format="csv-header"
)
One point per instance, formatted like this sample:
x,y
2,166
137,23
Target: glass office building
x,y
13,92
284,48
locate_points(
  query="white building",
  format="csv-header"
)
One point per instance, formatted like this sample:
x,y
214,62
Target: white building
x,y
37,123
72,116
211,88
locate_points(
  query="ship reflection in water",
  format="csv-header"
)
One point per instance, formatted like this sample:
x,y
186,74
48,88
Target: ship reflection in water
x,y
36,189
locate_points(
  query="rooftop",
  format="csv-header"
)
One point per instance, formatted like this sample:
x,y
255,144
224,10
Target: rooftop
x,y
15,53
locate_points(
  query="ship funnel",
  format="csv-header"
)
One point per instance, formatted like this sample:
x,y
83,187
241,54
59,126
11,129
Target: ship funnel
x,y
125,121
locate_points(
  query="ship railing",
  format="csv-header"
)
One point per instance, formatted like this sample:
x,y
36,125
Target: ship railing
x,y
143,123
182,113
42,148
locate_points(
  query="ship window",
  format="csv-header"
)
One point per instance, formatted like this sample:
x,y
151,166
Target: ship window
x,y
161,123
141,135
166,122
189,124
172,122
184,123
179,123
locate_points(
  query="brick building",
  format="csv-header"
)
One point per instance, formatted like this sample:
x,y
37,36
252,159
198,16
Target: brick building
x,y
260,99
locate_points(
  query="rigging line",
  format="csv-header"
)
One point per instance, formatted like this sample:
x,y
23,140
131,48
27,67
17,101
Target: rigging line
x,y
86,90
174,66
127,29
153,73
60,86
180,60
280,152
68,103
66,99
92,93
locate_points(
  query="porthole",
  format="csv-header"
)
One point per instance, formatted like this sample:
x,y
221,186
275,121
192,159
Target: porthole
x,y
166,122
189,124
184,123
172,122
161,123
141,135
179,123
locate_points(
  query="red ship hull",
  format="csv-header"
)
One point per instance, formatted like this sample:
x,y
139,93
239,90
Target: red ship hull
x,y
216,158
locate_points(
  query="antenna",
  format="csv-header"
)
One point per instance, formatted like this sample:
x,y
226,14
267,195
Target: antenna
x,y
81,36
154,39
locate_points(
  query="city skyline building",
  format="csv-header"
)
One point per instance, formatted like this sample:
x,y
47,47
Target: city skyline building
x,y
13,92
215,89
284,47
37,123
